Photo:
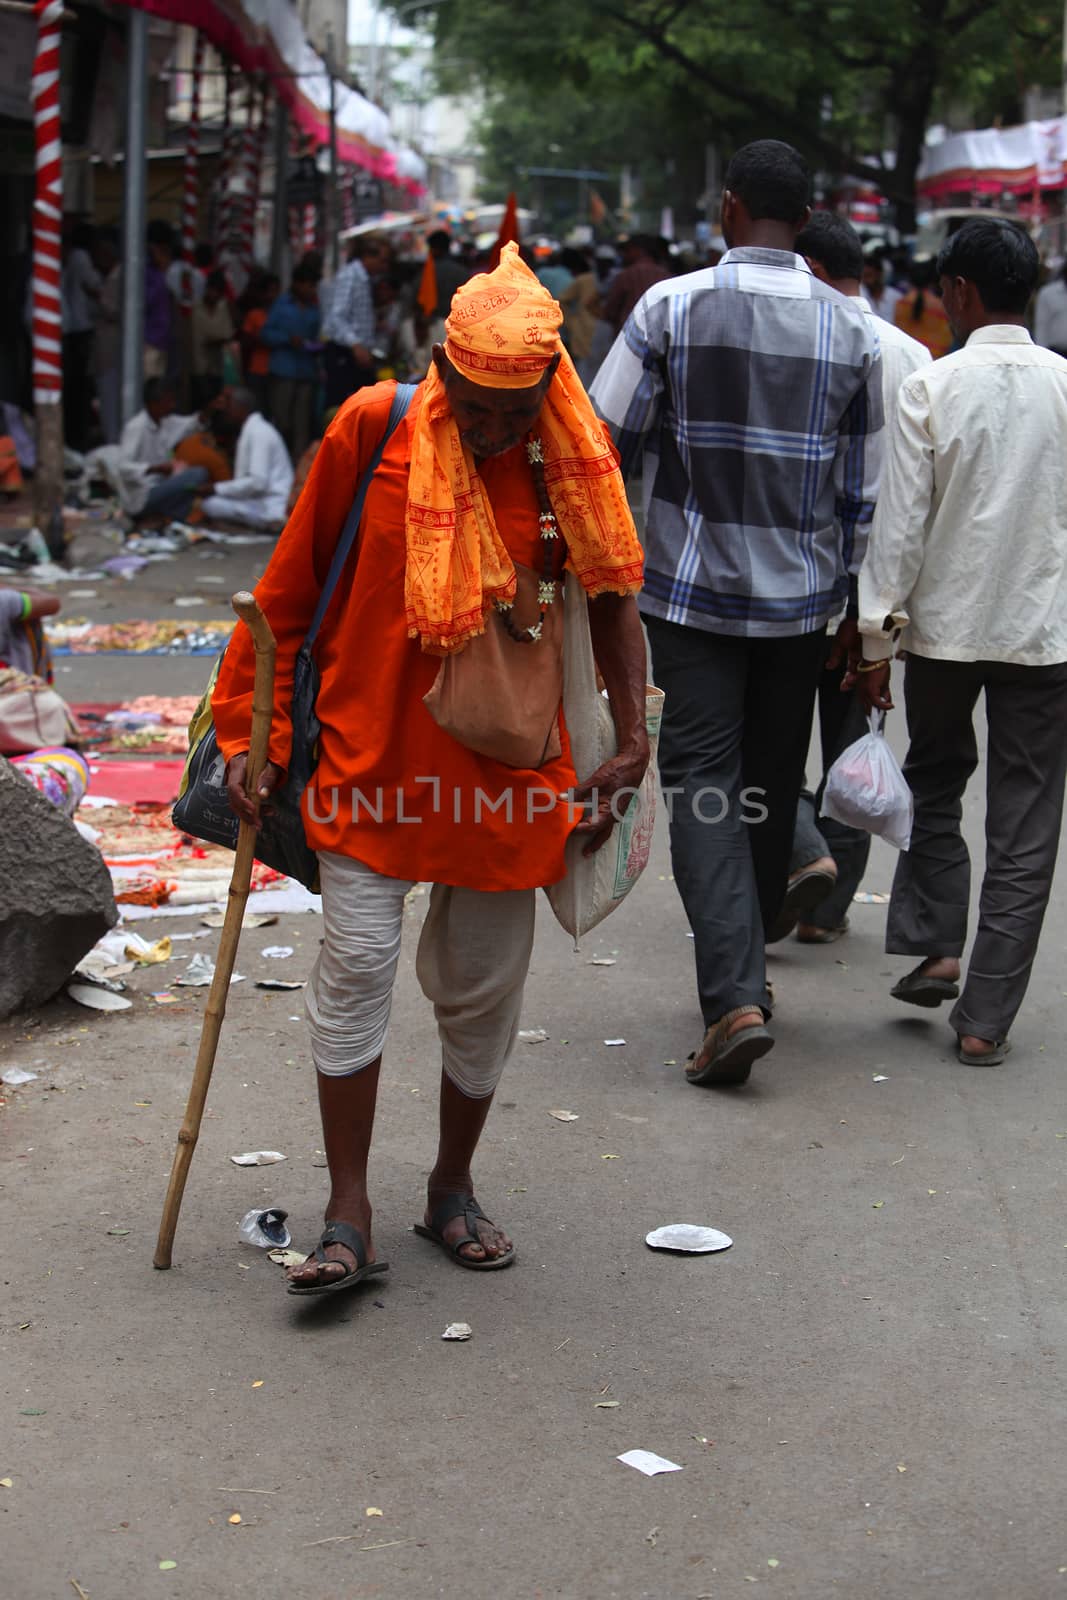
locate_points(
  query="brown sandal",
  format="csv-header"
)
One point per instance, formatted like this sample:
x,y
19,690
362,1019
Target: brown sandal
x,y
725,1059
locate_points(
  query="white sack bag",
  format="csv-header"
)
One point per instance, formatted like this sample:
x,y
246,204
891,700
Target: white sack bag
x,y
596,884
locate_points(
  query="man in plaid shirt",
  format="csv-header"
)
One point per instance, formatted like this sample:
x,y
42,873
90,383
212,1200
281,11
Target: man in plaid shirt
x,y
754,392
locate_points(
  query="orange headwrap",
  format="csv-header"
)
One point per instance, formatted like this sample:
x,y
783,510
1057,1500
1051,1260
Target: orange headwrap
x,y
502,333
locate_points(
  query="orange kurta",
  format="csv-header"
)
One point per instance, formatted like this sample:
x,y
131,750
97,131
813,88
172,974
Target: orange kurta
x,y
374,794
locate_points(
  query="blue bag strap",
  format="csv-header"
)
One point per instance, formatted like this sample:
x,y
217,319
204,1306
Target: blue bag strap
x,y
401,402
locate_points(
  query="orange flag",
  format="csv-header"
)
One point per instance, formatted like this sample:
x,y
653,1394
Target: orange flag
x,y
427,295
509,231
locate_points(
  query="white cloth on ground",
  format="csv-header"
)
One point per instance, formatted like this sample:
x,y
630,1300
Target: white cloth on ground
x,y
473,957
262,477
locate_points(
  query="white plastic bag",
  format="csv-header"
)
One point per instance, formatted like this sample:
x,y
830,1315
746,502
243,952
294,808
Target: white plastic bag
x,y
596,884
866,789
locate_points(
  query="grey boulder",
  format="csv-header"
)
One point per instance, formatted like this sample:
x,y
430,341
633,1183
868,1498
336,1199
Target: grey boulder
x,y
56,899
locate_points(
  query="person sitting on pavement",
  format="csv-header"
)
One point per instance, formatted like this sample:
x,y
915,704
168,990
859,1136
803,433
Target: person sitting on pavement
x,y
829,858
155,486
461,496
22,641
257,494
968,555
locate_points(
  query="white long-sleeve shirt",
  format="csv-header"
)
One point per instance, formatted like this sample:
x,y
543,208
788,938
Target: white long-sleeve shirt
x,y
901,356
146,443
262,469
968,551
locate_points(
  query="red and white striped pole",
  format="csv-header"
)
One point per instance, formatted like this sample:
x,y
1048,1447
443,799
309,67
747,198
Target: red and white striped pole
x,y
258,150
311,227
248,179
191,192
222,180
47,313
47,210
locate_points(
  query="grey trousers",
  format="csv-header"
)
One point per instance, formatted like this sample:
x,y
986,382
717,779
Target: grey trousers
x,y
841,722
1026,713
736,724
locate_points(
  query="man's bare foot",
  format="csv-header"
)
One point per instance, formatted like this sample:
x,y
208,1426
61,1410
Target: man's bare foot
x,y
946,967
339,1259
493,1242
973,1046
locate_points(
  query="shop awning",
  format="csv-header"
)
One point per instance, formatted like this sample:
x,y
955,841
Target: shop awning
x,y
267,37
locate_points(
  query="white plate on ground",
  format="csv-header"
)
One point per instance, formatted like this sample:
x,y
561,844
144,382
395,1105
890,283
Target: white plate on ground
x,y
688,1239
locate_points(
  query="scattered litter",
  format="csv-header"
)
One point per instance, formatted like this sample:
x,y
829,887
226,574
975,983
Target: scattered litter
x,y
265,1229
868,897
118,1233
167,1566
901,1467
165,998
258,1383
281,983
670,1063
6,1483
200,972
188,600
251,919
532,1035
614,1041
648,1462
686,1238
97,999
880,1077
235,1519
145,954
772,1561
374,1511
458,1331
608,1158
606,1405
877,1205
651,1536
15,1076
278,952
287,1258
601,961
564,1116
624,1117
257,1158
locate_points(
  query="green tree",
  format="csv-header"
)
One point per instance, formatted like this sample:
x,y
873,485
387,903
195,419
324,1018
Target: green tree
x,y
841,79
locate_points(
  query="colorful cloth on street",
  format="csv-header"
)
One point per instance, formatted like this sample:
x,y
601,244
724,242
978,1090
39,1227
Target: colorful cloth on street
x,y
503,333
58,773
167,637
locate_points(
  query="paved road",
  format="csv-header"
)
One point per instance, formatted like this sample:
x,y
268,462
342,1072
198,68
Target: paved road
x,y
865,1394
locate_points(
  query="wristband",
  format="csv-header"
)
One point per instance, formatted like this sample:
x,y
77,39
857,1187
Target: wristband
x,y
872,666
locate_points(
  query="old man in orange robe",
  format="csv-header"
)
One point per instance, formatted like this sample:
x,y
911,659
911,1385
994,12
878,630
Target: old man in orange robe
x,y
499,463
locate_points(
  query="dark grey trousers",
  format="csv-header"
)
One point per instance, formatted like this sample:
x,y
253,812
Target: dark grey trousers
x,y
736,725
1026,714
841,722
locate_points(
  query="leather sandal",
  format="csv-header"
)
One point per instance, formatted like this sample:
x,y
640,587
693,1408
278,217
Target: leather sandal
x,y
725,1059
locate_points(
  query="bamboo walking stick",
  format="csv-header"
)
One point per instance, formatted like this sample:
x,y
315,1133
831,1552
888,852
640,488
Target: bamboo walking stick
x,y
262,710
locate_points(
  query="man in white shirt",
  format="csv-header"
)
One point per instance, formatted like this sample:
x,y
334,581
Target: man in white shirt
x,y
1050,314
829,858
257,494
968,554
153,485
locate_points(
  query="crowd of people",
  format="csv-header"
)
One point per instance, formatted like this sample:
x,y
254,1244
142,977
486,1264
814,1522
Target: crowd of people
x,y
817,488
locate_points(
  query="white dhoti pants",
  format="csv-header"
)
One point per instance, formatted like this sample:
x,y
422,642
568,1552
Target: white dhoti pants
x,y
253,512
473,957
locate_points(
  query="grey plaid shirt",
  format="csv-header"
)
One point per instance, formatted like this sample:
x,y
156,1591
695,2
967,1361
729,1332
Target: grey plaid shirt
x,y
350,317
755,392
